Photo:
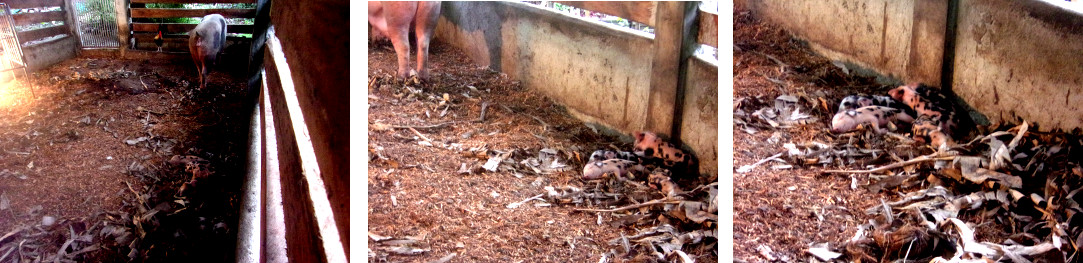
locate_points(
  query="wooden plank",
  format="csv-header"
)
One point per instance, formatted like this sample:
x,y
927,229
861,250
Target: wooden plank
x,y
176,43
665,67
642,12
176,12
27,36
178,28
193,1
24,4
319,191
322,79
708,29
34,18
120,10
302,230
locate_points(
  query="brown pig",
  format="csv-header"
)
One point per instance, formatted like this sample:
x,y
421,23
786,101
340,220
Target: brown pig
x,y
395,19
876,116
204,42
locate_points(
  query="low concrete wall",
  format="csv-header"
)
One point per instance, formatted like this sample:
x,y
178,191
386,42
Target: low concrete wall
x,y
45,54
699,123
1013,59
1021,59
600,73
593,70
901,39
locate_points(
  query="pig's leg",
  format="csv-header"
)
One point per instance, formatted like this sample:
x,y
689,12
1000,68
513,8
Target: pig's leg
x,y
398,16
427,15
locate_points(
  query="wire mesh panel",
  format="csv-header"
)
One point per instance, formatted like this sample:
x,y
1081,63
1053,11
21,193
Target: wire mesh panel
x,y
97,23
12,62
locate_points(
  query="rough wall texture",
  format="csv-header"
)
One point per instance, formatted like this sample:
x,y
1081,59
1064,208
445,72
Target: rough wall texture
x,y
322,76
901,39
593,70
699,125
46,54
600,73
1021,59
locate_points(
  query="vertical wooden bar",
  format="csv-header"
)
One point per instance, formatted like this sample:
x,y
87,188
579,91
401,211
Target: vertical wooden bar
x,y
123,32
665,66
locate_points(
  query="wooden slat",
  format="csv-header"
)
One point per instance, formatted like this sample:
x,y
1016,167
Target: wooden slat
x,y
178,28
708,29
193,1
176,12
34,18
173,43
302,231
27,36
24,4
331,241
642,12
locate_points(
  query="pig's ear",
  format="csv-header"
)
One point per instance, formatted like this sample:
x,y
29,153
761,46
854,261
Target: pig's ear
x,y
638,135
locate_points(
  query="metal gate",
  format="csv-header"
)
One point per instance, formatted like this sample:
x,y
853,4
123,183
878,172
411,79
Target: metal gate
x,y
96,21
12,61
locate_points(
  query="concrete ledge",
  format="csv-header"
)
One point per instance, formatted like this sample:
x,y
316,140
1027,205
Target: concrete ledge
x,y
45,54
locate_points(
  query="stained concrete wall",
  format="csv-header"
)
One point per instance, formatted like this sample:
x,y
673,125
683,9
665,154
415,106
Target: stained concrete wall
x,y
45,54
1021,59
1013,59
600,73
901,39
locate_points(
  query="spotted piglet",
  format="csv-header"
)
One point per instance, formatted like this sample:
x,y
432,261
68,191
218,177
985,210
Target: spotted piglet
x,y
602,155
650,146
935,110
613,167
854,102
875,116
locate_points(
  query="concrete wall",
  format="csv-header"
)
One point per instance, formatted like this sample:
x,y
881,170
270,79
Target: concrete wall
x,y
901,39
1021,59
600,73
594,70
1013,59
45,54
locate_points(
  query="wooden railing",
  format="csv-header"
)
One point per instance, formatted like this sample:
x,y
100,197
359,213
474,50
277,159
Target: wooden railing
x,y
175,35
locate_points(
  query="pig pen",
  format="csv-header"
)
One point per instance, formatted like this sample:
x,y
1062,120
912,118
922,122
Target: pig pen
x,y
1002,193
431,199
95,154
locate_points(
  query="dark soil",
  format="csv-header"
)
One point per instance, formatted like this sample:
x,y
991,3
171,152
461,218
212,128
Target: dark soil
x,y
91,150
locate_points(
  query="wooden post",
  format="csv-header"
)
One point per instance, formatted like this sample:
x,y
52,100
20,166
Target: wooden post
x,y
123,32
665,67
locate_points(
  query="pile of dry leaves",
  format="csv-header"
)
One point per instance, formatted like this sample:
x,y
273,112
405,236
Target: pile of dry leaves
x,y
1006,195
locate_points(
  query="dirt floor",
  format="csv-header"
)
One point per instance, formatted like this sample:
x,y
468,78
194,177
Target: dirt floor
x,y
800,205
85,162
427,187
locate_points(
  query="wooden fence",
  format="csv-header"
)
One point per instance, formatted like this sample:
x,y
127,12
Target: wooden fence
x,y
175,35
